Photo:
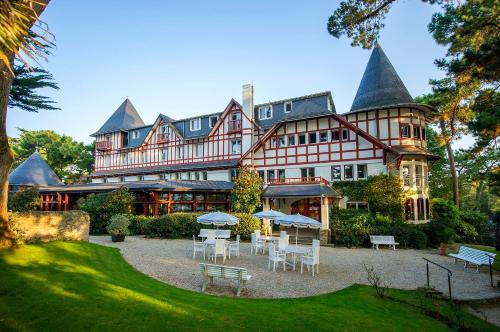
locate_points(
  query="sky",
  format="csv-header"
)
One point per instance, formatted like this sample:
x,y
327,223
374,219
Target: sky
x,y
188,58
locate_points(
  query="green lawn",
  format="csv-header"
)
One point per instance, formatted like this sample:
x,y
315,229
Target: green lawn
x,y
80,286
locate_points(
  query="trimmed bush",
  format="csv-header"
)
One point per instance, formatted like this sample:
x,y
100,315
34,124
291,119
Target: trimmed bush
x,y
118,225
24,200
139,224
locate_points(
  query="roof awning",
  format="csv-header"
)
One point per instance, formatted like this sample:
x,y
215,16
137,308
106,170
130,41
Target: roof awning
x,y
299,190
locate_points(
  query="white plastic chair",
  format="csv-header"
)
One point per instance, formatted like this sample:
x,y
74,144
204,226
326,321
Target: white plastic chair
x,y
235,246
220,250
283,242
276,257
257,232
198,247
311,260
256,244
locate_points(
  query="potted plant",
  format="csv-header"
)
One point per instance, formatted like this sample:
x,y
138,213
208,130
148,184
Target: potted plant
x,y
118,227
446,235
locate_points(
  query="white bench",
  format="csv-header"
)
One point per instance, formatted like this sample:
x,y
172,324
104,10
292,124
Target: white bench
x,y
209,271
474,256
388,240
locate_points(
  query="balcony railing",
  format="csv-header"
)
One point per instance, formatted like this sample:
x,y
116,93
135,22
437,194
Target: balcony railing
x,y
162,138
103,145
304,180
234,126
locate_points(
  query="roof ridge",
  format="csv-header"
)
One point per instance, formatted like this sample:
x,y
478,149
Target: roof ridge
x,y
313,95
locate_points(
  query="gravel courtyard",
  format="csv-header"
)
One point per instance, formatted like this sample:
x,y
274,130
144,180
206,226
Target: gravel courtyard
x,y
171,262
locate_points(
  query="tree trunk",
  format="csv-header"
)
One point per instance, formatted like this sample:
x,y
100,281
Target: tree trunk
x,y
6,158
451,162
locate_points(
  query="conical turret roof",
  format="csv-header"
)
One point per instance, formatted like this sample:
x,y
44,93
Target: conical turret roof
x,y
34,171
124,118
380,85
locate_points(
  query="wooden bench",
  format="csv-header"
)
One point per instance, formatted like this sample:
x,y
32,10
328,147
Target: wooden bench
x,y
474,256
388,240
209,271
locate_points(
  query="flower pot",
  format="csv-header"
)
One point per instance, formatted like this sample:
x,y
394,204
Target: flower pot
x,y
443,249
117,238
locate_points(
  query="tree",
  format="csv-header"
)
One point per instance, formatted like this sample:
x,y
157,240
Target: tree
x,y
69,159
246,196
22,35
439,170
23,94
27,199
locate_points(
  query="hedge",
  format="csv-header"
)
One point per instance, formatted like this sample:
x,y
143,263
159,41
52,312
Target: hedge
x,y
184,225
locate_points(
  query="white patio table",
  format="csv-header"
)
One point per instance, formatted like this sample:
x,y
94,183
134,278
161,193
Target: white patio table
x,y
296,250
211,243
269,238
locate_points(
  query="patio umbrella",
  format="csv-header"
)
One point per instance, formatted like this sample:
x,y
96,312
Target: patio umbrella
x,y
298,221
218,219
269,214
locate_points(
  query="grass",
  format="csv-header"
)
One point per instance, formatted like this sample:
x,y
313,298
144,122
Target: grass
x,y
78,286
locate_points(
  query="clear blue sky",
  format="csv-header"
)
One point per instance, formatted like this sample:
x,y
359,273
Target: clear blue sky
x,y
185,58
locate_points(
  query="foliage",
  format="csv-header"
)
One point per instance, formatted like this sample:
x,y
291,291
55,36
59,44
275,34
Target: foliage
x,y
139,224
445,219
246,196
23,94
474,227
485,125
26,199
439,170
247,225
91,280
69,159
355,190
101,207
118,225
375,280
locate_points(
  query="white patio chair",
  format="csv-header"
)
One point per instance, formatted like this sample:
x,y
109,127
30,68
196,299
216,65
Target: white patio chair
x,y
256,244
234,246
220,249
198,247
283,234
311,260
276,257
283,242
257,232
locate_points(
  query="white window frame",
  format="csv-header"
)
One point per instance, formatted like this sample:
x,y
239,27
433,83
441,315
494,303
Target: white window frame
x,y
192,122
288,103
234,143
210,120
198,150
144,157
268,114
366,171
136,134
180,152
164,154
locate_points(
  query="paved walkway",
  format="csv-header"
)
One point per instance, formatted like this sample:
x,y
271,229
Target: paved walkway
x,y
171,261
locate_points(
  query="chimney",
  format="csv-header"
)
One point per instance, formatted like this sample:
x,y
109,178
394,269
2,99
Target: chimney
x,y
247,101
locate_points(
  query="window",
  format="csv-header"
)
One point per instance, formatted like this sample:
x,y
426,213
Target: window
x,y
335,135
140,178
124,139
345,134
204,175
144,157
235,146
163,154
281,175
336,173
312,138
282,141
195,124
234,173
198,151
405,130
291,140
162,177
197,175
164,129
180,152
416,132
418,175
362,171
420,209
213,120
122,179
175,176
136,134
406,175
261,174
107,138
302,139
348,172
288,107
423,133
323,137
409,214
273,142
265,112
307,173
271,176
124,158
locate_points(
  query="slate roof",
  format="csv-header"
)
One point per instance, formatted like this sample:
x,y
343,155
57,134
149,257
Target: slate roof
x,y
124,118
302,190
302,107
381,85
198,166
184,129
167,185
135,142
34,171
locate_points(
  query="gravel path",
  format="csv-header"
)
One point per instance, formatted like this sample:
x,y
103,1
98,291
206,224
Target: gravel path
x,y
171,261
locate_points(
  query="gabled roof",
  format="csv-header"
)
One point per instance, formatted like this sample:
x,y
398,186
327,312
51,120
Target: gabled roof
x,y
34,171
124,118
381,85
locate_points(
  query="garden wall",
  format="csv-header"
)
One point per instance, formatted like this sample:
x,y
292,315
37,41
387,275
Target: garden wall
x,y
50,225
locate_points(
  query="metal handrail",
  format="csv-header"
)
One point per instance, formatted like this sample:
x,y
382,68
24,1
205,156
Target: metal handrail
x,y
444,268
490,261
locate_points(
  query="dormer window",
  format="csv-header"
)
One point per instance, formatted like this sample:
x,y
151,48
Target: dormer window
x,y
265,112
164,129
213,120
288,107
136,134
195,124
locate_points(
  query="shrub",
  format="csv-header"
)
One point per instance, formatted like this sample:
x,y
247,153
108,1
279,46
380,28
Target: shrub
x,y
139,224
438,232
246,226
101,207
118,225
349,227
385,195
24,200
445,218
474,227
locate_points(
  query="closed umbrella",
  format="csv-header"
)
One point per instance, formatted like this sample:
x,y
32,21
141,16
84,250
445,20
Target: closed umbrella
x,y
218,219
297,221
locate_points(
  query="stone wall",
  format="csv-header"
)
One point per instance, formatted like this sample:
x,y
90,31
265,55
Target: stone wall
x,y
50,225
